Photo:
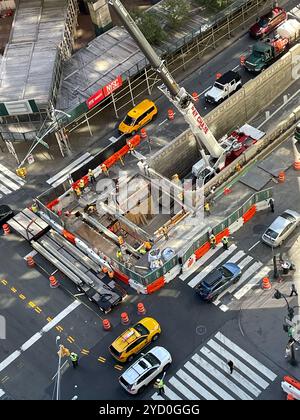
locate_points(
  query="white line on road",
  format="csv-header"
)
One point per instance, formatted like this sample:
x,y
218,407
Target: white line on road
x,y
11,175
1,393
209,87
254,280
10,359
236,67
257,243
163,122
8,182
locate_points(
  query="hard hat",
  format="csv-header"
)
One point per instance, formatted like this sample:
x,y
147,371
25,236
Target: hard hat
x,y
157,380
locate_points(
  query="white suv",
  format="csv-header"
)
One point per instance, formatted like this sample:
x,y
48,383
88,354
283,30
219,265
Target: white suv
x,y
145,369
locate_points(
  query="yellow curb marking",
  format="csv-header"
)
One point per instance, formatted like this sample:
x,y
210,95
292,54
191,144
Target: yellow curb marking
x,y
38,310
70,339
102,359
59,328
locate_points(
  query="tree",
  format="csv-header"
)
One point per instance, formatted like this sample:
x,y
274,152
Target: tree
x,y
177,11
150,26
214,5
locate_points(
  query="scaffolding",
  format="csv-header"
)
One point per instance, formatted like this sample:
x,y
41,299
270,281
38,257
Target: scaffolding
x,y
41,39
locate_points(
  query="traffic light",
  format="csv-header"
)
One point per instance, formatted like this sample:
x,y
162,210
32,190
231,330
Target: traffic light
x,y
63,351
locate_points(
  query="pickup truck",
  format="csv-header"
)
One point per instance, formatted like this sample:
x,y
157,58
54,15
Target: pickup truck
x,y
264,53
225,86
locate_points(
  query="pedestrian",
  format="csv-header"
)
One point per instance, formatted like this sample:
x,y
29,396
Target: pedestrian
x,y
74,359
213,241
285,265
165,232
160,386
207,208
91,176
231,366
272,205
293,291
225,243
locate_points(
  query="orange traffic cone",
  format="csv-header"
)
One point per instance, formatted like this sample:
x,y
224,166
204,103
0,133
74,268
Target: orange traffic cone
x,y
281,177
143,133
124,318
227,191
171,114
111,274
195,96
297,165
53,282
141,309
6,229
266,284
106,324
30,262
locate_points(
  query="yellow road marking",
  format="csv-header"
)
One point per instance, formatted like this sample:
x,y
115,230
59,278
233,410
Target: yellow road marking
x,y
102,359
4,282
13,289
38,310
49,319
85,352
59,328
118,367
31,304
22,297
70,339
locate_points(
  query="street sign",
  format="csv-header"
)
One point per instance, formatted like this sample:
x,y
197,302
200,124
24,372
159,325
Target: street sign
x,y
30,159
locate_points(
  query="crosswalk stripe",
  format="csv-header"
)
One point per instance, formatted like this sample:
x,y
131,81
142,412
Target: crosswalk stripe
x,y
11,175
182,389
212,266
1,393
245,262
5,190
200,262
168,393
245,276
221,378
237,257
256,279
10,184
239,365
207,381
235,375
255,363
195,385
157,397
202,391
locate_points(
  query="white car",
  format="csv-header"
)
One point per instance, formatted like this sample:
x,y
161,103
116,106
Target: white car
x,y
225,86
145,369
281,228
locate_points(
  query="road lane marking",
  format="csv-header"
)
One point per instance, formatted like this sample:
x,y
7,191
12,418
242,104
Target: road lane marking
x,y
101,359
193,384
13,289
10,359
250,249
71,339
118,367
4,282
31,304
85,352
183,389
38,309
1,393
59,328
21,296
256,279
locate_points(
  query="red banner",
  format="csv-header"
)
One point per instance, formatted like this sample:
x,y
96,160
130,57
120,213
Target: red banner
x,y
104,92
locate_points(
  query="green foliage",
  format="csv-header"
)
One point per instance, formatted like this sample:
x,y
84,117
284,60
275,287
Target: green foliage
x,y
177,11
214,5
150,26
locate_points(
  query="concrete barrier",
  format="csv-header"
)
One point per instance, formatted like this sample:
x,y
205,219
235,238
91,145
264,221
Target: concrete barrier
x,y
182,153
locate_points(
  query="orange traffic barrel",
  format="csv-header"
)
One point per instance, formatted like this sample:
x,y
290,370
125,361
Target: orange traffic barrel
x,y
6,229
171,114
266,284
297,165
143,133
227,191
106,324
141,309
30,262
105,269
53,282
124,318
281,177
111,274
242,60
218,75
195,96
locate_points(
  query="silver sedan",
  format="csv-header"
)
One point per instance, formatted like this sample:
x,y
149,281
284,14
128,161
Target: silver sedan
x,y
281,228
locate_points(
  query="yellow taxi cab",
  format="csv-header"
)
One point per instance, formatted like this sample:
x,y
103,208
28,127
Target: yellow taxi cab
x,y
133,340
139,116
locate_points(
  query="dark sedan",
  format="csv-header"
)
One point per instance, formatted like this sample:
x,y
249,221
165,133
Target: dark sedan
x,y
6,213
268,23
217,281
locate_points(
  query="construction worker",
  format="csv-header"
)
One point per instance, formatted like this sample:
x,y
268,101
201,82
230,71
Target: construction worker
x,y
147,246
207,208
91,209
143,251
165,232
91,176
225,242
34,207
213,241
74,359
78,192
160,386
120,255
81,184
272,205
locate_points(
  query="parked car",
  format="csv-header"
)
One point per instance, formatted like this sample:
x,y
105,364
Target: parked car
x,y
281,228
145,369
138,117
217,281
133,340
225,86
6,213
268,23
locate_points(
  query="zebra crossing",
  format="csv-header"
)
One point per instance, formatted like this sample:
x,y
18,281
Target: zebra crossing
x,y
252,273
2,393
9,181
205,376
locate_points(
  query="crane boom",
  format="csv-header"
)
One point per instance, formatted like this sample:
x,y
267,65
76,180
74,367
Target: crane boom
x,y
181,99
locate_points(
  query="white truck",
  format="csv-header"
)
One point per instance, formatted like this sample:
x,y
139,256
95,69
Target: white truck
x,y
225,86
